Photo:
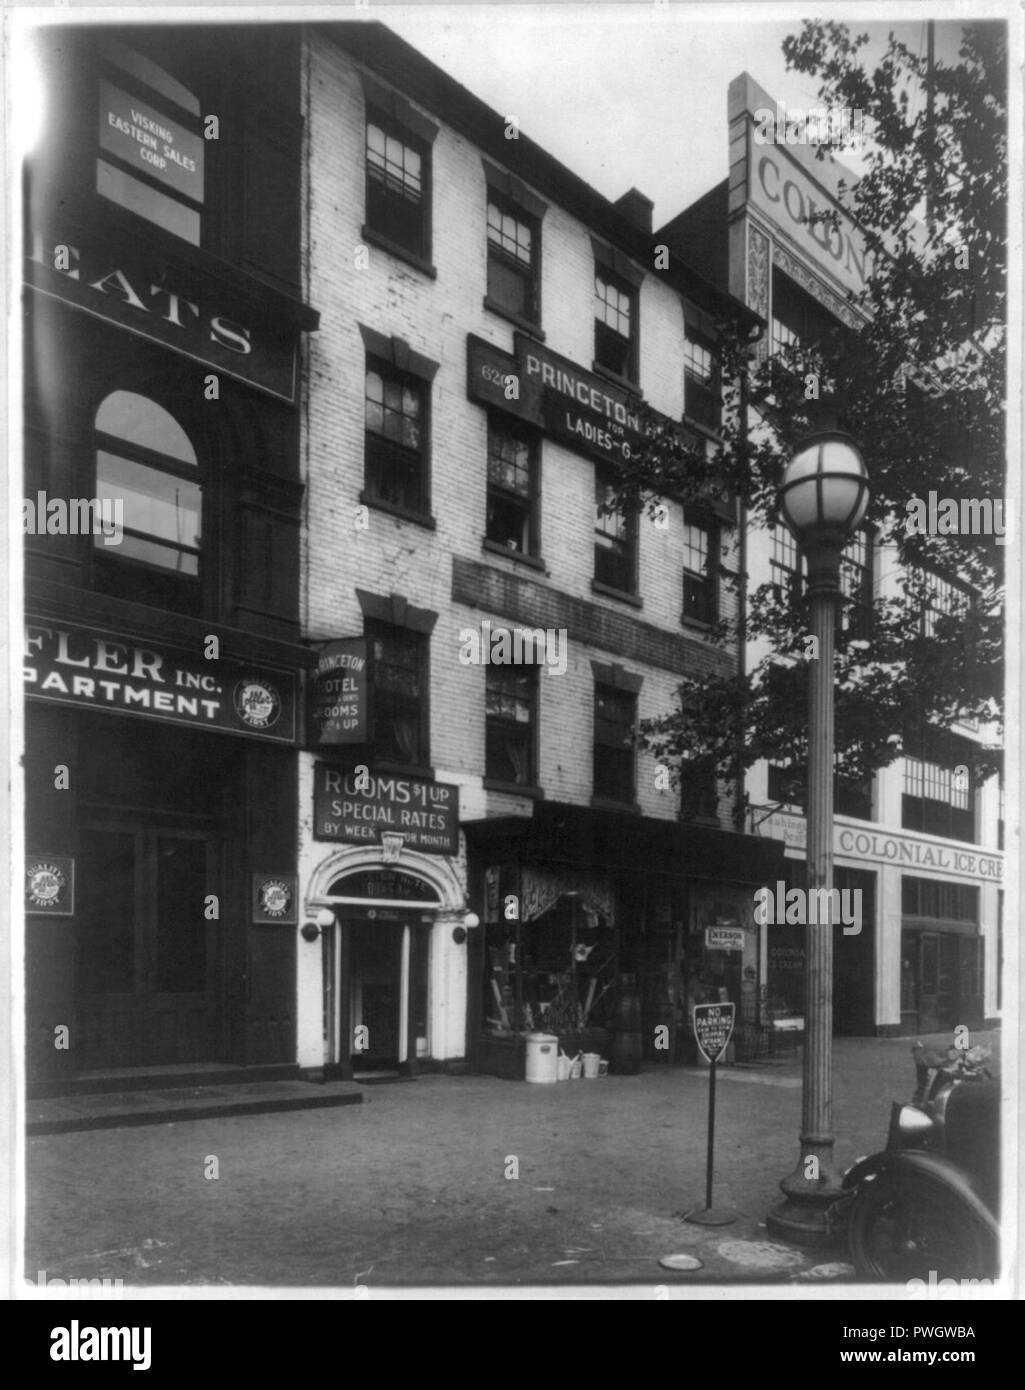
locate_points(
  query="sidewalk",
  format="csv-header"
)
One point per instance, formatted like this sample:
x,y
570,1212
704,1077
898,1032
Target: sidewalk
x,y
468,1181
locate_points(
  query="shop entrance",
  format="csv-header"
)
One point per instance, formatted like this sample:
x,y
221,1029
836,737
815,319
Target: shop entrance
x,y
941,980
145,974
376,994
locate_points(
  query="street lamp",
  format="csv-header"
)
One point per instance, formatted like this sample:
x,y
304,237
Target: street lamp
x,y
823,498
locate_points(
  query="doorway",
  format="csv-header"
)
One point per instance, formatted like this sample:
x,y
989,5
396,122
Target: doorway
x,y
376,994
146,959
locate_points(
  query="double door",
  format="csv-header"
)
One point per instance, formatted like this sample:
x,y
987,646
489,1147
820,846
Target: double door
x,y
941,980
147,952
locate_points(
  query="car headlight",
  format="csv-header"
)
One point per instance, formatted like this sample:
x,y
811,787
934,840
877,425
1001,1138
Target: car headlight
x,y
913,1123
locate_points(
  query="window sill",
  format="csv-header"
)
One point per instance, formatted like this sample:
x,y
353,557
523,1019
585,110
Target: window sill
x,y
696,625
423,519
534,561
621,595
395,248
608,803
527,325
617,379
491,784
715,435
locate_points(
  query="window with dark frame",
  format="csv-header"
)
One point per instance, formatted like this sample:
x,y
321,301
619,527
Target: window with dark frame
x,y
513,239
396,470
699,791
397,185
615,325
511,720
615,719
943,599
399,681
786,563
939,798
615,539
856,584
700,558
701,382
512,487
146,465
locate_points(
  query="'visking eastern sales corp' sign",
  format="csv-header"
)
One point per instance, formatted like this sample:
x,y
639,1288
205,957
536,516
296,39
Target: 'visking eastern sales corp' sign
x,y
150,142
72,665
361,809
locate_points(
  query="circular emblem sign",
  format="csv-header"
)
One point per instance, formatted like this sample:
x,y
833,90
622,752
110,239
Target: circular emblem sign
x,y
46,885
275,897
257,704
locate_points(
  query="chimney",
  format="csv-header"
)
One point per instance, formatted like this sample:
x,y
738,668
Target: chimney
x,y
636,208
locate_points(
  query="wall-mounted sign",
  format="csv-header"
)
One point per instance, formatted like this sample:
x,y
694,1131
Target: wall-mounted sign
x,y
150,142
724,938
274,898
578,408
72,665
359,808
50,885
185,312
340,693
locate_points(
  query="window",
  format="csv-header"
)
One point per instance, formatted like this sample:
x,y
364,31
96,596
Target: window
x,y
943,599
615,716
930,897
787,563
397,186
398,675
699,792
510,710
396,438
938,799
856,584
615,539
512,260
798,320
700,546
151,148
851,796
615,326
512,488
701,380
146,469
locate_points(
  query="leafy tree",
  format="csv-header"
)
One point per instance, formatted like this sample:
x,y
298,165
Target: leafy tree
x,y
921,387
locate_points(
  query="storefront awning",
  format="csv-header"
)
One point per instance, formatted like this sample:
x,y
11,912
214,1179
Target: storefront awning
x,y
558,834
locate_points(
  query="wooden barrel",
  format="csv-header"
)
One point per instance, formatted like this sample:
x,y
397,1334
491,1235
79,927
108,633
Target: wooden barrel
x,y
625,1057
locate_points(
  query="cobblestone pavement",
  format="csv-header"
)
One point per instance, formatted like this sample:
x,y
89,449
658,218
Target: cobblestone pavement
x,y
465,1181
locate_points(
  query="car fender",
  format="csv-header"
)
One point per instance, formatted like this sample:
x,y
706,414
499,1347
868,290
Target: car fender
x,y
912,1162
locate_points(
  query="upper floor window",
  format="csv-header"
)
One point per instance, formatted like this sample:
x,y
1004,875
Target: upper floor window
x,y
798,320
615,325
851,796
512,261
700,559
943,599
146,468
787,563
615,539
856,584
512,487
398,191
399,682
615,719
931,897
701,380
151,148
939,798
510,717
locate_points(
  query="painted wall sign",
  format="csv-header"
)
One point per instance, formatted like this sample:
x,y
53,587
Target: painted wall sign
x,y
150,142
72,665
340,693
274,898
137,292
576,407
359,810
50,885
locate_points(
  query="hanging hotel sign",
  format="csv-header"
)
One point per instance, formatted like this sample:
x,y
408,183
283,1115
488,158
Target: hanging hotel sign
x,y
360,806
50,885
139,292
584,411
72,665
150,142
340,693
274,899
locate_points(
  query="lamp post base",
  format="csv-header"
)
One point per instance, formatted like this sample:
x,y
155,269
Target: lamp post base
x,y
805,1218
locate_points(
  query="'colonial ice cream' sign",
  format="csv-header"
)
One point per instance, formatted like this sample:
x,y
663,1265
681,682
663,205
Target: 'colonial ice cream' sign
x,y
360,806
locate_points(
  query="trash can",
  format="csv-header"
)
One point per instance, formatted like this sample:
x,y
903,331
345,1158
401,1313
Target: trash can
x,y
591,1061
542,1057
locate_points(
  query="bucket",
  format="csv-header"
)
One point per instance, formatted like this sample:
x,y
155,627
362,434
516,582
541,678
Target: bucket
x,y
591,1060
542,1056
603,1067
562,1066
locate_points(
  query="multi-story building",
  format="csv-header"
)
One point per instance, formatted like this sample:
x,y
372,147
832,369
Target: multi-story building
x,y
922,842
482,846
163,665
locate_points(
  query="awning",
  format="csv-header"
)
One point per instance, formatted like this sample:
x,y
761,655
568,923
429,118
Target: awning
x,y
558,834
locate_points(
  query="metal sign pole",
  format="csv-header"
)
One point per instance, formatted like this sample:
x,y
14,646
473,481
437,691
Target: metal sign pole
x,y
711,1138
712,1044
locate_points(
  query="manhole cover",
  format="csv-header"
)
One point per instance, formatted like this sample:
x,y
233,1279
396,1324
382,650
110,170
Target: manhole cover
x,y
680,1262
759,1254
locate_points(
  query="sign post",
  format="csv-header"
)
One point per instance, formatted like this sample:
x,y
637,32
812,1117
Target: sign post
x,y
713,1028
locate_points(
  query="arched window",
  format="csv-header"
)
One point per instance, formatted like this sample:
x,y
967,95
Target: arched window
x,y
146,463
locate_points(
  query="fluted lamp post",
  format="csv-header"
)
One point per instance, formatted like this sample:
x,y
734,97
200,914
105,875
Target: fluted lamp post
x,y
823,498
